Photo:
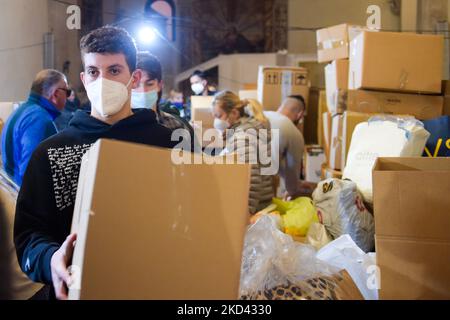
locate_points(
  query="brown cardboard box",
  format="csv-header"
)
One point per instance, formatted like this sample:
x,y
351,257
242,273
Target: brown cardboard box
x,y
336,78
333,42
150,229
396,61
14,284
335,160
201,110
277,83
422,107
412,219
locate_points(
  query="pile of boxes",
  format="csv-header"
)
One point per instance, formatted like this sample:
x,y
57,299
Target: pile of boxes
x,y
371,73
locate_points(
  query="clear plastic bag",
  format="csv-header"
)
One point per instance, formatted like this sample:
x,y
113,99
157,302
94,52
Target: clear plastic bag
x,y
274,267
341,210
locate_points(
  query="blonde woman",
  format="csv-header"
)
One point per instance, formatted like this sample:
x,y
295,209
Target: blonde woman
x,y
246,133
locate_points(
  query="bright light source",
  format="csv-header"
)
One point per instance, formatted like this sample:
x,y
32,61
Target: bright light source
x,y
147,35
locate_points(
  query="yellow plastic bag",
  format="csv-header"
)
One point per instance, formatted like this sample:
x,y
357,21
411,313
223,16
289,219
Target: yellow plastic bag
x,y
297,215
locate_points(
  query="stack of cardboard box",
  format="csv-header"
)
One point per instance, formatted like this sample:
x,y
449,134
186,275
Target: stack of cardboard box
x,y
376,73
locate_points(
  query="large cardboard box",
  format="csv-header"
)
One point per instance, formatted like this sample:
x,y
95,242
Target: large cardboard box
x,y
151,229
333,42
335,160
396,61
336,78
412,223
422,107
277,83
201,110
14,284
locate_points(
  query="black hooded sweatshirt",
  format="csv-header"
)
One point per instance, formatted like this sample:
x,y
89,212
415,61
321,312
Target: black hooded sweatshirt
x,y
47,197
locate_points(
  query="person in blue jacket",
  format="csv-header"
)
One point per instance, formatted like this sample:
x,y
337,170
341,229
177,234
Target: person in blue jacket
x,y
33,122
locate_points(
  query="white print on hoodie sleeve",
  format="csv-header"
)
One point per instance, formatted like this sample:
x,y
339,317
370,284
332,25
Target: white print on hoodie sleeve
x,y
65,165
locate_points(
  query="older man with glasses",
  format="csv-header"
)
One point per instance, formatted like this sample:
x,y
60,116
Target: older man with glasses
x,y
33,121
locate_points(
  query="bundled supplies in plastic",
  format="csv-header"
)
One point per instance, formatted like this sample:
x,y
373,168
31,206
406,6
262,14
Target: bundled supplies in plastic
x,y
382,136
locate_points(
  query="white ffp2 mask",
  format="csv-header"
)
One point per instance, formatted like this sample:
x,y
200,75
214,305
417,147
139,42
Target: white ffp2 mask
x,y
107,97
198,88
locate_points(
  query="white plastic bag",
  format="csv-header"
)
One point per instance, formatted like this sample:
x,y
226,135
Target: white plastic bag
x,y
343,253
341,210
382,136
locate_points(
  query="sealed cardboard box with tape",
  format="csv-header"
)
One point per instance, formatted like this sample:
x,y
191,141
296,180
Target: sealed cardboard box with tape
x,y
333,42
421,106
396,61
277,83
149,228
412,220
336,78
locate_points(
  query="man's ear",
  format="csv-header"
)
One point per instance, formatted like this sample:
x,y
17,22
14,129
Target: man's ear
x,y
137,75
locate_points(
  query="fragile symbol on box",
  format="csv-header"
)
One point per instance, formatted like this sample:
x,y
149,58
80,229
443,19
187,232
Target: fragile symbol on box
x,y
272,78
299,79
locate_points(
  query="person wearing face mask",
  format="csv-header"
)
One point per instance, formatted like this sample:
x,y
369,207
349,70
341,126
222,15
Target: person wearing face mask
x,y
149,91
290,145
245,131
33,122
46,200
175,104
199,84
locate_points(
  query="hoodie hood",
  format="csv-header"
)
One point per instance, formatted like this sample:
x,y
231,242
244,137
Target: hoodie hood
x,y
83,121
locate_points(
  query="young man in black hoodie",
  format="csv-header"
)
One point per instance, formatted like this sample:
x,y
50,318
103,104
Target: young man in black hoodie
x,y
46,200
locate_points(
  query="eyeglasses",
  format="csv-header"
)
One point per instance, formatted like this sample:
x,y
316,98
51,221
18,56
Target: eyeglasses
x,y
68,91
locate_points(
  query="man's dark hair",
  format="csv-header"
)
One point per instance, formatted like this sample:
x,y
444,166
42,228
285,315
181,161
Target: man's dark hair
x,y
200,74
150,64
110,40
300,99
45,82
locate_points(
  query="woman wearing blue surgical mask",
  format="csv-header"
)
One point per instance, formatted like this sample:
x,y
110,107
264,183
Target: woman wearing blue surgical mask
x,y
246,132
